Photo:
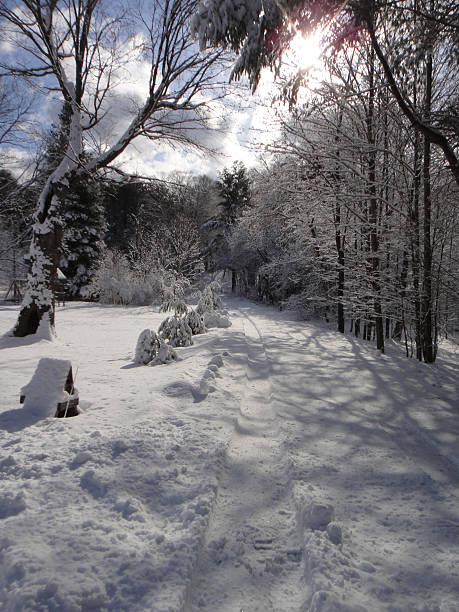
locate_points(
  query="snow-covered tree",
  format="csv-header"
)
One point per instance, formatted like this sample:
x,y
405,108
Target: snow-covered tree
x,y
147,347
176,331
260,31
83,244
80,50
234,191
195,322
209,299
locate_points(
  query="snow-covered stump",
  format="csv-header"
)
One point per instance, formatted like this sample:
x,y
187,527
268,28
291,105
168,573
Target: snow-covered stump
x,y
51,390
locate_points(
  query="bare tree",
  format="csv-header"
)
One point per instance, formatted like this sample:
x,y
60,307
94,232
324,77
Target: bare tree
x,y
82,50
14,113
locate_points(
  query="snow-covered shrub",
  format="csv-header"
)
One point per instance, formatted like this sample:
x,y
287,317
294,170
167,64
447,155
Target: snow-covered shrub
x,y
117,281
210,298
205,303
147,348
195,322
212,318
177,305
176,331
166,354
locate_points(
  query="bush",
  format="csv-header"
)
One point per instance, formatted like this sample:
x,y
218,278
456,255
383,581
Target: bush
x,y
210,299
117,281
176,331
166,354
148,345
196,322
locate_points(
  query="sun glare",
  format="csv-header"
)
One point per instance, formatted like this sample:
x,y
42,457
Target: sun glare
x,y
305,52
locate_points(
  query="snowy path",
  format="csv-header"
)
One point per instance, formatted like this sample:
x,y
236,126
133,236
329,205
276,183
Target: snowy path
x,y
325,425
250,558
344,414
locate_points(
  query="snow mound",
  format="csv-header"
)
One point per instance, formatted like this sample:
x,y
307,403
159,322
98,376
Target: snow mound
x,y
318,516
213,318
206,385
11,504
166,354
47,387
217,360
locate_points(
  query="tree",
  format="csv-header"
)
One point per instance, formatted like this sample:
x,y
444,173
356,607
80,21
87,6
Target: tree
x,y
15,109
259,31
82,212
80,49
83,239
234,190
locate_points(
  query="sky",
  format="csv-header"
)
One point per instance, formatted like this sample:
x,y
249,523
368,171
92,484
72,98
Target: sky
x,y
243,124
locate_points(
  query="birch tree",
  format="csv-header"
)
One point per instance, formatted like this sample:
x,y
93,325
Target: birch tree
x,y
80,51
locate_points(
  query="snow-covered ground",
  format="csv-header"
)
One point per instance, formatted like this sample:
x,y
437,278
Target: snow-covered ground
x,y
277,465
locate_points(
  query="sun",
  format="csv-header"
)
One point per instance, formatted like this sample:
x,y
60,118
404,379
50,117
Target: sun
x,y
305,52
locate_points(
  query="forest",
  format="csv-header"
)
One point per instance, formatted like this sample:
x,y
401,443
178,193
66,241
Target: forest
x,y
349,214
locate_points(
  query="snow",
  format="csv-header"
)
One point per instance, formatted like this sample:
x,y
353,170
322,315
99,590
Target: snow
x,y
213,318
276,465
47,387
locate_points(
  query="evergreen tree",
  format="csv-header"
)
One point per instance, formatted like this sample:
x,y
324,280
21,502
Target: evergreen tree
x,y
234,191
234,188
84,227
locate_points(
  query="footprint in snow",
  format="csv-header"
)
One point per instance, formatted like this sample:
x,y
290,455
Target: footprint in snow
x,y
93,484
11,504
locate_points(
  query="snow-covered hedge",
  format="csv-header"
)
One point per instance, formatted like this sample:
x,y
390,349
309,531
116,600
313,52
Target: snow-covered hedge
x,y
118,281
213,318
176,331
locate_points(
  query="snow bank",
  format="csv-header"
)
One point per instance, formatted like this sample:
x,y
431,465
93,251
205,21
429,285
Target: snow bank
x,y
213,318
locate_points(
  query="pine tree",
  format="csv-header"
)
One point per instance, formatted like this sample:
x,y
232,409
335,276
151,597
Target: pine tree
x,y
234,191
234,188
84,227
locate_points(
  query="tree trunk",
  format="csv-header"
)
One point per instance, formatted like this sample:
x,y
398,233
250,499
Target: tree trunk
x,y
428,348
45,254
373,213
233,281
